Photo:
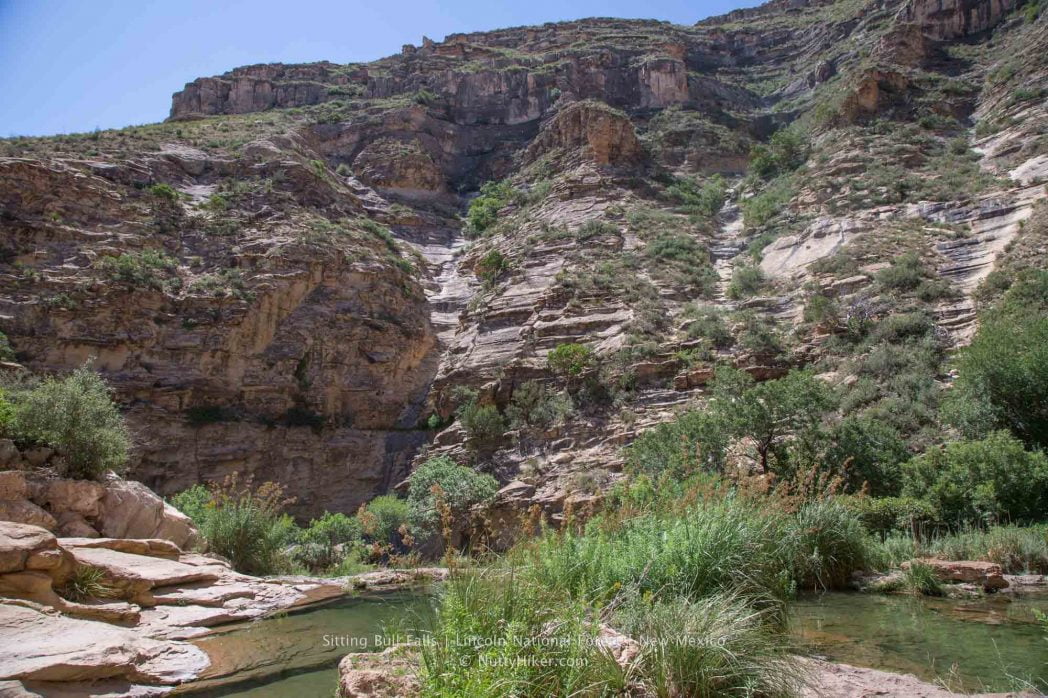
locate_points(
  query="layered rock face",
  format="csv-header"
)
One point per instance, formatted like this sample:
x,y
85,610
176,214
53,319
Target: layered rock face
x,y
278,283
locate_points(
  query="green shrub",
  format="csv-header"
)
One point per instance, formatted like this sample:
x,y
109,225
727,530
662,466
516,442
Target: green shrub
x,y
442,481
332,529
483,210
746,281
905,273
761,208
149,268
247,527
867,452
821,310
786,151
484,424
1003,373
771,413
708,324
6,352
194,502
978,482
705,200
384,516
883,515
691,442
535,405
75,415
164,191
491,266
570,360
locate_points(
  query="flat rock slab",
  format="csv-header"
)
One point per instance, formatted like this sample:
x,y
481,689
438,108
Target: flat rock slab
x,y
49,647
202,594
150,571
150,547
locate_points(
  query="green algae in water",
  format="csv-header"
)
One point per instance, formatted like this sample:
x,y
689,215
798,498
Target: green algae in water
x,y
984,644
297,654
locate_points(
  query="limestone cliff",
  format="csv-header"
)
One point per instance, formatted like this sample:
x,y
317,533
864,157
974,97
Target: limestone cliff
x,y
290,292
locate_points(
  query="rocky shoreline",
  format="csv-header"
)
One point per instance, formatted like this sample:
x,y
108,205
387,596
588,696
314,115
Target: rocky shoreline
x,y
135,642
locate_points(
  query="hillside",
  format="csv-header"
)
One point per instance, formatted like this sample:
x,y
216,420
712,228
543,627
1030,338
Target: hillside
x,y
303,275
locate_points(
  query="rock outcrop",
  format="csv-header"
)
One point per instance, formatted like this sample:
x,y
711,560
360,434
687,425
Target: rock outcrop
x,y
114,508
155,597
320,308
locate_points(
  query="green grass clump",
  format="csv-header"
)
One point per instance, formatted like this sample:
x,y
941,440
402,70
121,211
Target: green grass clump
x,y
716,646
920,578
86,583
497,634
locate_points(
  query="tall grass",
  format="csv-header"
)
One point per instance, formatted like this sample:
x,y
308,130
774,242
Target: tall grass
x,y
1017,549
497,633
729,544
702,583
716,646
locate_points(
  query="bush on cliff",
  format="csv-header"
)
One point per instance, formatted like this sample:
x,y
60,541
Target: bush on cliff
x,y
442,484
75,415
484,209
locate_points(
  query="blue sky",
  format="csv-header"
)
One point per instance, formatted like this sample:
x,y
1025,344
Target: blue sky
x,y
76,65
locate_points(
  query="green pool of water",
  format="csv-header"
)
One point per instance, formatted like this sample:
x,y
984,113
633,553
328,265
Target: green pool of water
x,y
984,644
297,654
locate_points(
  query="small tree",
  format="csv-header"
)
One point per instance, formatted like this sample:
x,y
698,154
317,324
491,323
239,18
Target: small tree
x,y
76,416
461,488
770,412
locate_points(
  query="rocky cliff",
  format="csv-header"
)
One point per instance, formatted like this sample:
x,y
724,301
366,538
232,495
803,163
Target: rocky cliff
x,y
278,279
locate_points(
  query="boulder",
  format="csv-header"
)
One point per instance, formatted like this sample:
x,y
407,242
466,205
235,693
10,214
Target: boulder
x,y
19,541
73,525
387,674
83,497
38,455
13,484
9,455
25,512
132,510
135,574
